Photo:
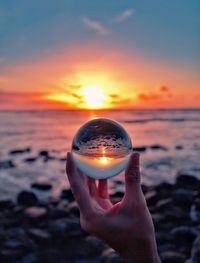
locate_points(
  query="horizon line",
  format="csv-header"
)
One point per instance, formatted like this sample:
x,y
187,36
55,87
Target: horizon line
x,y
116,109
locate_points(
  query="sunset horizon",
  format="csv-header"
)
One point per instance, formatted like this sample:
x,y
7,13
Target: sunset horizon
x,y
122,58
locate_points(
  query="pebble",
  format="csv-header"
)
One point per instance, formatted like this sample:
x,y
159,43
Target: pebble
x,y
43,153
39,235
30,160
14,249
172,257
140,149
152,198
179,147
196,251
67,194
35,213
6,204
110,256
65,228
42,185
184,235
54,228
73,209
27,198
187,181
7,164
20,151
158,147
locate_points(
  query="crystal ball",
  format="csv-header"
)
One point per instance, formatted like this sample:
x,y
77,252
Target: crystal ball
x,y
101,148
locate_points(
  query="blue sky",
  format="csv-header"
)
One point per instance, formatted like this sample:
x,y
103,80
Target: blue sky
x,y
157,28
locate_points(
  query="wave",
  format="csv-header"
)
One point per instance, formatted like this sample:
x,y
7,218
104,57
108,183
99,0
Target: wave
x,y
162,120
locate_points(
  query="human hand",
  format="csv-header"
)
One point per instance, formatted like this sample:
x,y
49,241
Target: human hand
x,y
126,226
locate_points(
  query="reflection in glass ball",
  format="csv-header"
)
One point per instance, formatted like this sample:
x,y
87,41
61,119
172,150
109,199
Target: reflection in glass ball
x,y
101,148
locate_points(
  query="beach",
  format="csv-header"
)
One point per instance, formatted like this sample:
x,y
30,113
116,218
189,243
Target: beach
x,y
38,214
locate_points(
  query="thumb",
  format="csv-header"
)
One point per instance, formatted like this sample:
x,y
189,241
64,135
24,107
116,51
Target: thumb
x,y
132,175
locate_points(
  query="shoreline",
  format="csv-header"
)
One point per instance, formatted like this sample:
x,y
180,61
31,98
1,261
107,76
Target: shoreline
x,y
35,230
28,165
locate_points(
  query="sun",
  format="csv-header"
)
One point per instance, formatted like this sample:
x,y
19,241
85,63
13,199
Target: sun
x,y
93,97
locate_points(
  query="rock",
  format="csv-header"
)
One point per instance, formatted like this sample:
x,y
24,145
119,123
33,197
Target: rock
x,y
145,188
50,255
67,194
183,235
187,181
157,219
195,213
118,182
81,251
27,198
151,198
14,249
96,245
165,247
175,215
44,153
163,204
183,197
57,212
63,159
35,213
7,164
158,147
116,196
73,209
110,256
20,151
179,147
49,158
39,236
42,185
195,254
161,238
6,204
164,187
140,149
30,160
65,228
172,257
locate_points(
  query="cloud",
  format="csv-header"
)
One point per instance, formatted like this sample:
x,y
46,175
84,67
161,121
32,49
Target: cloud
x,y
164,88
96,26
29,100
124,15
114,96
162,93
149,96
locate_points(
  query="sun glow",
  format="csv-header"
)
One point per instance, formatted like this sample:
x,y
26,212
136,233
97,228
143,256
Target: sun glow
x,y
103,160
93,97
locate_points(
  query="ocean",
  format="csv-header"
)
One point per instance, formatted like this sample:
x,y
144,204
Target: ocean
x,y
168,141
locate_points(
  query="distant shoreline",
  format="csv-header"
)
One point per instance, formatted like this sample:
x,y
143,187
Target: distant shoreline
x,y
102,110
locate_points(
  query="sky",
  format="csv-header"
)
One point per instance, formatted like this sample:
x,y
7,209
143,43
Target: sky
x,y
70,54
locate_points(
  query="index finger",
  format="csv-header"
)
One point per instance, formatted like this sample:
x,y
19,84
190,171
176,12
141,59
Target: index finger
x,y
78,186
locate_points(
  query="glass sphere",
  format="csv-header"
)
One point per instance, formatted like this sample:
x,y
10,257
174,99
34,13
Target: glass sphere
x,y
101,148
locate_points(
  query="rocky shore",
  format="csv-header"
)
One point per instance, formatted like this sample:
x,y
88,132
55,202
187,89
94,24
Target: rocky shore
x,y
38,231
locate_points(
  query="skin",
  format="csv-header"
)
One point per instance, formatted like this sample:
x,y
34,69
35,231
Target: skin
x,y
127,226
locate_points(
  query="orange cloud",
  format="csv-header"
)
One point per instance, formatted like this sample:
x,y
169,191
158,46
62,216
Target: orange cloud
x,y
149,96
28,100
164,88
127,80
